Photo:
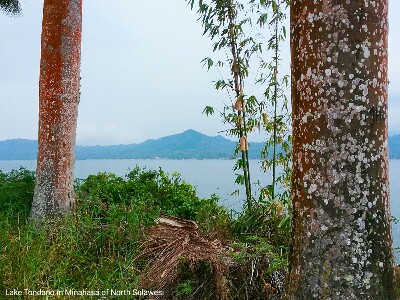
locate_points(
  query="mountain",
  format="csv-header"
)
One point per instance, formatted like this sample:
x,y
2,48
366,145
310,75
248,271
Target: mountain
x,y
394,146
186,145
18,149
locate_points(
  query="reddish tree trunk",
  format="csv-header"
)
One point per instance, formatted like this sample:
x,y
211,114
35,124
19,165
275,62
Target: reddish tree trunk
x,y
342,243
58,106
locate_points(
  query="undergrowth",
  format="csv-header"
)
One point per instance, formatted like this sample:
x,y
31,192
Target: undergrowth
x,y
94,248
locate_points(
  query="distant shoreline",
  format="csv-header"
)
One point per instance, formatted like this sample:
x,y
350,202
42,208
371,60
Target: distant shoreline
x,y
189,144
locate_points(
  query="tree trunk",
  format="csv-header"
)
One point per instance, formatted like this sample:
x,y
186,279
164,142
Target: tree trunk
x,y
58,107
342,242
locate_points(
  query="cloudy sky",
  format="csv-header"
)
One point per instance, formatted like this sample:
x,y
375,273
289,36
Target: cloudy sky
x,y
141,72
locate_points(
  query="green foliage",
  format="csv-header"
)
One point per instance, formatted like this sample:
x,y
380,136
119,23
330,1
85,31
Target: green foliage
x,y
239,29
223,22
265,221
10,7
252,52
159,192
260,262
95,247
91,249
183,288
271,14
254,247
16,192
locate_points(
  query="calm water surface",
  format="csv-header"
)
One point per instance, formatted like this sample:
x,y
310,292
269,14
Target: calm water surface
x,y
209,176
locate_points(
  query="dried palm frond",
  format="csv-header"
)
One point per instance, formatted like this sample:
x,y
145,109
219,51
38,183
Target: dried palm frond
x,y
172,240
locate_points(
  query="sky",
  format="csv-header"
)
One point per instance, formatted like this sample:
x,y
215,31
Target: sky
x,y
141,72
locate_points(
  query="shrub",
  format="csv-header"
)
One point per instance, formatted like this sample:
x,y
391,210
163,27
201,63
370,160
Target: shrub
x,y
95,247
16,193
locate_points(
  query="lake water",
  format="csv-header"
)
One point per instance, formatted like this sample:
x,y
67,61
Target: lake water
x,y
209,176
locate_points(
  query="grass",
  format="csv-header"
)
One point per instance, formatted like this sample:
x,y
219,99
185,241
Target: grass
x,y
93,248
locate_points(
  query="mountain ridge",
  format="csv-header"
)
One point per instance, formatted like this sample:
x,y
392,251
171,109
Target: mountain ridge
x,y
189,144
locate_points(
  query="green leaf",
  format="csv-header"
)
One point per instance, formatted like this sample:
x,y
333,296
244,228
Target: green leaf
x,y
274,6
239,179
285,222
208,110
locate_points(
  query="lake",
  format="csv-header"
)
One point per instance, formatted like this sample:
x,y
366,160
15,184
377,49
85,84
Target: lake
x,y
208,176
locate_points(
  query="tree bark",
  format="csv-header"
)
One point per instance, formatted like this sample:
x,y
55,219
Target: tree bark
x,y
342,242
58,107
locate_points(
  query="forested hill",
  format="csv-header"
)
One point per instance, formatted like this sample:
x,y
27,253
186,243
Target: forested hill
x,y
186,145
394,146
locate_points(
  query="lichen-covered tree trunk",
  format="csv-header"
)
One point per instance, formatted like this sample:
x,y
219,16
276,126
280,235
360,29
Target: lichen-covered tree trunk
x,y
58,107
342,243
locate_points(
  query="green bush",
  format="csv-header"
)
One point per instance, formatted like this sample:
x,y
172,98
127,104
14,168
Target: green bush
x,y
161,193
16,193
95,247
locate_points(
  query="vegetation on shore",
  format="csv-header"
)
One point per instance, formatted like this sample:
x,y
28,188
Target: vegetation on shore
x,y
95,247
